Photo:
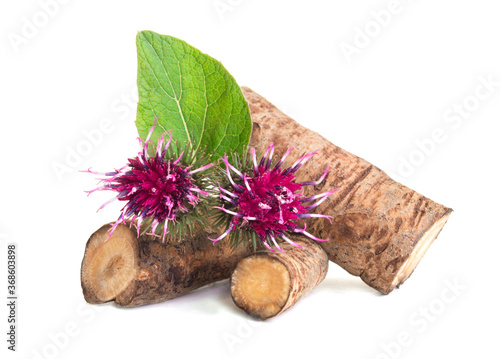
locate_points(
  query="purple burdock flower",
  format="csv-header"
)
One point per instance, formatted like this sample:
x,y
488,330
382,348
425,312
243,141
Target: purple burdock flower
x,y
269,202
159,188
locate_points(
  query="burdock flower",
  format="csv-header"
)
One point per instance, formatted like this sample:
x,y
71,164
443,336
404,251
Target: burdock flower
x,y
161,186
268,203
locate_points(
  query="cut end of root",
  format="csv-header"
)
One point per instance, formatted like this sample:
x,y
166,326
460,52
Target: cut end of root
x,y
418,252
260,285
110,264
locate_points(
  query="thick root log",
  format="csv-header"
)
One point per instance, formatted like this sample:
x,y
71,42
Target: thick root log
x,y
266,284
381,229
135,271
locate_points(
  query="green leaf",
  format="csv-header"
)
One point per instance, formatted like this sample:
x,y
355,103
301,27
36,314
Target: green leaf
x,y
191,94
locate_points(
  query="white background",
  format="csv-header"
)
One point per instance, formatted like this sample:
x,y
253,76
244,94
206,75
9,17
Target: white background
x,y
77,67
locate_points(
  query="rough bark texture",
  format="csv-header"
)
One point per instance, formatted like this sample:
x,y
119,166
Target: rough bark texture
x,y
381,229
166,271
255,288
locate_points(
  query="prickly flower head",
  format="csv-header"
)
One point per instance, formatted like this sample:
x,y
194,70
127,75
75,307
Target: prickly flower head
x,y
162,187
267,202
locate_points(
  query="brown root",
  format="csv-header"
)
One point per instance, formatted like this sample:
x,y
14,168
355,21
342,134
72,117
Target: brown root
x,y
381,229
135,271
267,284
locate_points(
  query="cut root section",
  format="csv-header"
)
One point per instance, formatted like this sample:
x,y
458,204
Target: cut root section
x,y
267,284
418,252
110,264
260,285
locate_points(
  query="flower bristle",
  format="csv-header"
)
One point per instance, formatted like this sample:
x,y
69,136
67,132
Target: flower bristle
x,y
261,202
167,186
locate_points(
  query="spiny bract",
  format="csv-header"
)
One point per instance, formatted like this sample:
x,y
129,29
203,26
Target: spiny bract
x,y
161,188
268,203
